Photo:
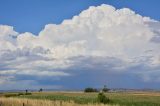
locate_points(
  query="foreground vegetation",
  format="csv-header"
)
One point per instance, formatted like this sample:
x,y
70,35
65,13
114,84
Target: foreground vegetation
x,y
79,98
31,102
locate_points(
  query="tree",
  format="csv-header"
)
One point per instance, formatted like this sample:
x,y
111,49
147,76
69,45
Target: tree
x,y
26,91
105,89
40,90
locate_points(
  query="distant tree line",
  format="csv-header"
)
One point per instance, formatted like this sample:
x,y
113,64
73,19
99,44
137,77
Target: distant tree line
x,y
90,89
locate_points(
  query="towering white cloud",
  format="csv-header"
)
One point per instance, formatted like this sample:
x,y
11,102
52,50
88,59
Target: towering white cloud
x,y
118,39
7,37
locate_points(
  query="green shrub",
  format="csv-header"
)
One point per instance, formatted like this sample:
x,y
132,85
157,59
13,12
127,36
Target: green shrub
x,y
102,98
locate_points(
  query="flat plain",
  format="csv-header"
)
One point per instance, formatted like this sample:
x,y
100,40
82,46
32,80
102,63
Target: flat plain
x,y
80,98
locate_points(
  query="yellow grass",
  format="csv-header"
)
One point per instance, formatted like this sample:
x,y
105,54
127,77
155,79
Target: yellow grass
x,y
30,102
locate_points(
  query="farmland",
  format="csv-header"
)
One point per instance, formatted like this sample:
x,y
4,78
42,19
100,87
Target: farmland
x,y
80,98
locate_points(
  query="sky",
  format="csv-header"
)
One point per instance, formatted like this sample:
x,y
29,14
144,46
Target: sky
x,y
33,15
74,44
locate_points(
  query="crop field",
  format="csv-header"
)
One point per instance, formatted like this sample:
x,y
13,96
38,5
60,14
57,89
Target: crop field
x,y
80,98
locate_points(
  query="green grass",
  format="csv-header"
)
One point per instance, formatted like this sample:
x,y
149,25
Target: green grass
x,y
78,99
123,99
134,100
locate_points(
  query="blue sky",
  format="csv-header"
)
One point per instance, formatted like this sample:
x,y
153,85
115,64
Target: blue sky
x,y
33,15
73,44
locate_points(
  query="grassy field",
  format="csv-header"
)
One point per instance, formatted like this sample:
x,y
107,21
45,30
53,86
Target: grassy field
x,y
35,102
79,98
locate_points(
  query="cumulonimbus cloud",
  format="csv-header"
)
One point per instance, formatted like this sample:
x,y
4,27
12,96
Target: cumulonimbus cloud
x,y
117,39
